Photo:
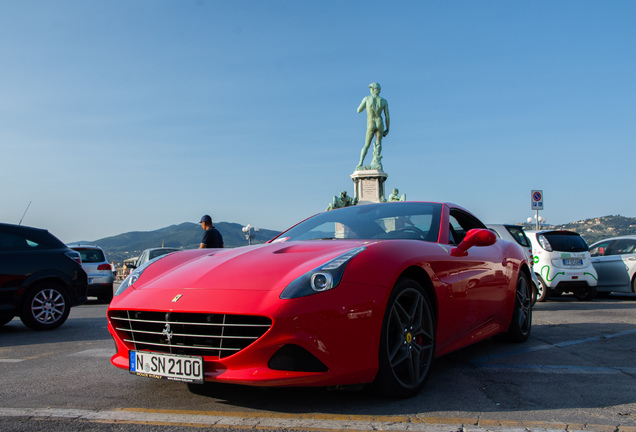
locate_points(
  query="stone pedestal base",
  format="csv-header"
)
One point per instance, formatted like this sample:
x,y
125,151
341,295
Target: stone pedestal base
x,y
369,186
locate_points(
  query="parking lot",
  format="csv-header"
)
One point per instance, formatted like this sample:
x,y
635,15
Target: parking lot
x,y
577,371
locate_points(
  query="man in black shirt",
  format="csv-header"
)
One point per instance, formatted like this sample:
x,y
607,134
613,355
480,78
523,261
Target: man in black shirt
x,y
212,238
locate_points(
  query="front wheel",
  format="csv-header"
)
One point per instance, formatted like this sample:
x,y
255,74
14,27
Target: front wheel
x,y
521,324
45,307
407,343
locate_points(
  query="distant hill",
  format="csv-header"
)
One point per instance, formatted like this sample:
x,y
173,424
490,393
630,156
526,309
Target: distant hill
x,y
186,235
595,229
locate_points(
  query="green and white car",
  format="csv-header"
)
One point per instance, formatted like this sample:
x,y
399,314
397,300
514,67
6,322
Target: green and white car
x,y
562,264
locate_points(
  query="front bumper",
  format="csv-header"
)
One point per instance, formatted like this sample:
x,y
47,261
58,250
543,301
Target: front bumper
x,y
321,340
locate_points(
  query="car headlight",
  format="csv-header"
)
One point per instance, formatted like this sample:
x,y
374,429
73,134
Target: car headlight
x,y
135,275
320,279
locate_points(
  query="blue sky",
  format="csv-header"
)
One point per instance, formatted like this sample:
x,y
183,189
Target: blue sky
x,y
120,116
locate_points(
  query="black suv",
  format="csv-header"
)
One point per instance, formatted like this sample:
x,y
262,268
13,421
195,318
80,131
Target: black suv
x,y
40,277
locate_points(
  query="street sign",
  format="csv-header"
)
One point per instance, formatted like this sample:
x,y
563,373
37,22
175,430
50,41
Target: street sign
x,y
537,200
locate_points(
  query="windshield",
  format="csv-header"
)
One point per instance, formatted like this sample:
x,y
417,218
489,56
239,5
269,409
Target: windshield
x,y
517,233
400,220
158,252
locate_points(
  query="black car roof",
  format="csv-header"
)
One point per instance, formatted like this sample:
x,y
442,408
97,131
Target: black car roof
x,y
36,234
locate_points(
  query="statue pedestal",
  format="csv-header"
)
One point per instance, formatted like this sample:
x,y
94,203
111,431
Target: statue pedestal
x,y
369,186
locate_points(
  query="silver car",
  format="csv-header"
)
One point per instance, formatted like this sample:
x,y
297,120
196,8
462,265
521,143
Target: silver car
x,y
614,260
99,271
515,233
153,253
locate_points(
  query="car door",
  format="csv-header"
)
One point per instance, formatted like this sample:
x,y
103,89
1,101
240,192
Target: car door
x,y
600,256
480,277
618,266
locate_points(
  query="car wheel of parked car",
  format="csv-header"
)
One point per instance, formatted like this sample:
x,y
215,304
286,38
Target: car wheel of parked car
x,y
521,323
634,284
45,307
407,343
585,294
106,298
5,318
542,290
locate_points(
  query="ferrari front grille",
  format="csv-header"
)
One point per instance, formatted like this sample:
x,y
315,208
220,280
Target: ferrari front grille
x,y
198,334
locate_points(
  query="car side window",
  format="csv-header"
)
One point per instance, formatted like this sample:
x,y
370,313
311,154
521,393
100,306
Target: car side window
x,y
9,241
600,249
624,246
460,223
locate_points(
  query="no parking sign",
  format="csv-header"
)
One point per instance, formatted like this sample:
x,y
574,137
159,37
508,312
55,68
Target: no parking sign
x,y
537,200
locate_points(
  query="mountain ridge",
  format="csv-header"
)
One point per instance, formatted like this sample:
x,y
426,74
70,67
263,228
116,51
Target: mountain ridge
x,y
599,228
187,235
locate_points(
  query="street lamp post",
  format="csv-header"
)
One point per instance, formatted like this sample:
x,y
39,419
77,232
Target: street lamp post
x,y
247,230
539,220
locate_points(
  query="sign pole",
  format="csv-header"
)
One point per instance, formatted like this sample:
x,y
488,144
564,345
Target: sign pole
x,y
536,202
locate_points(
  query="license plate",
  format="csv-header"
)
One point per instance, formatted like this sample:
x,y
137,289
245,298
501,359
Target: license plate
x,y
166,366
572,262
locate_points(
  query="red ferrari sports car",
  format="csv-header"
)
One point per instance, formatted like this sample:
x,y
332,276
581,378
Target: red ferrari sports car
x,y
368,294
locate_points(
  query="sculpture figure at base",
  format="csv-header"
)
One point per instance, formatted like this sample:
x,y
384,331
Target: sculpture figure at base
x,y
375,106
396,197
343,200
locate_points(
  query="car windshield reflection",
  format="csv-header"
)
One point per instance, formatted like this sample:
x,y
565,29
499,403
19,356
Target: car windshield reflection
x,y
404,220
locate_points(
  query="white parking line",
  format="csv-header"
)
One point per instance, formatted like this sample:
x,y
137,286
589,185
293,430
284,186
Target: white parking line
x,y
562,369
314,422
481,360
96,352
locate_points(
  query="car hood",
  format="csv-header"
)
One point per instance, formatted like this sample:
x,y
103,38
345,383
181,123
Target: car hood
x,y
255,268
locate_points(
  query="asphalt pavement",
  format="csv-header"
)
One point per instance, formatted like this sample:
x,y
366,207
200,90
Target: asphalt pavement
x,y
577,372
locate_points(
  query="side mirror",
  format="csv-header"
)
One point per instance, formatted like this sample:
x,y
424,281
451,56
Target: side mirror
x,y
474,237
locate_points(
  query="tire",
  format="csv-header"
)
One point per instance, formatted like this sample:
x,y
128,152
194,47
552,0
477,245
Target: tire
x,y
407,342
5,318
45,307
543,292
521,323
106,297
634,284
585,294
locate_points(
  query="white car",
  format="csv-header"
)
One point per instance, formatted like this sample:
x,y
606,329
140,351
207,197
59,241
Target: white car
x,y
562,264
516,234
615,262
99,271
